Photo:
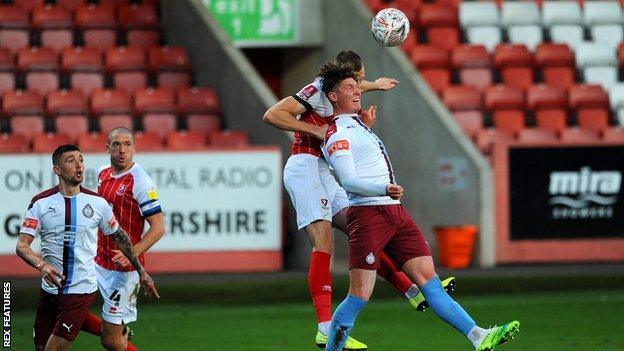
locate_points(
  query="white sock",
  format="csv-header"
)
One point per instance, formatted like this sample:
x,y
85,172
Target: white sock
x,y
412,291
476,335
324,327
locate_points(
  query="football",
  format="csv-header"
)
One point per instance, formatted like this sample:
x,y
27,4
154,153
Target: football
x,y
390,27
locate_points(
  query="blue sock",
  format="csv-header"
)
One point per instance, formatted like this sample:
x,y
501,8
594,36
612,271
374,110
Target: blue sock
x,y
342,322
445,307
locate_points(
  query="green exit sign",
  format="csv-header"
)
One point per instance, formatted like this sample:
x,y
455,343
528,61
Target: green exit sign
x,y
257,22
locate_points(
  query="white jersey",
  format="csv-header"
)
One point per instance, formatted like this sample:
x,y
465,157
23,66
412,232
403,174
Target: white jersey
x,y
314,99
349,137
68,227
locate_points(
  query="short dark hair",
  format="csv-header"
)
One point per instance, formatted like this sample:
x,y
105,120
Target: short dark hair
x,y
119,130
350,58
56,155
333,73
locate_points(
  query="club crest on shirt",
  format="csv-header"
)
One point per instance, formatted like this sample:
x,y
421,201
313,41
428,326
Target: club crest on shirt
x,y
87,211
308,91
370,259
121,190
324,203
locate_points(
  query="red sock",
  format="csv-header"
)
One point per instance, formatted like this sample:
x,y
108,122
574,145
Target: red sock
x,y
92,324
392,275
319,284
131,347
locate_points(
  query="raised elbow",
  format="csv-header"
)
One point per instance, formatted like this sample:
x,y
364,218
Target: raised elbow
x,y
268,117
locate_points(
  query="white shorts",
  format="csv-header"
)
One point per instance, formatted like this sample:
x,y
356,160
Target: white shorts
x,y
119,291
313,190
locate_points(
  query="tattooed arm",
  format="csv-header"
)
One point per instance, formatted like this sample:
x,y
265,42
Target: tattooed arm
x,y
125,246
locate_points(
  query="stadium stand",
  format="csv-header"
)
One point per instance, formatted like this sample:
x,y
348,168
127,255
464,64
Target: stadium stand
x,y
75,69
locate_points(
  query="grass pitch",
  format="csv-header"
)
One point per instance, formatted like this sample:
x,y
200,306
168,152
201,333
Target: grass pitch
x,y
566,321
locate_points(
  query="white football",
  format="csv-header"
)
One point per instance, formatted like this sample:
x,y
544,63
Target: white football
x,y
390,27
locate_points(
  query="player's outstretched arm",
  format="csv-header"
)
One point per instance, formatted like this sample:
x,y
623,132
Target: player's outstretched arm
x,y
25,252
283,115
381,83
125,245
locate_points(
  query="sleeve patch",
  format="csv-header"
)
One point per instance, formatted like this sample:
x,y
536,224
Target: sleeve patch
x,y
308,91
152,194
338,145
30,223
112,223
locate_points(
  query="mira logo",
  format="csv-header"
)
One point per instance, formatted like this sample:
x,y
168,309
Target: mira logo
x,y
585,194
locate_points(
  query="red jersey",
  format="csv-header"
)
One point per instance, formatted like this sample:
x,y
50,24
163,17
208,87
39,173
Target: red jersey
x,y
319,111
134,198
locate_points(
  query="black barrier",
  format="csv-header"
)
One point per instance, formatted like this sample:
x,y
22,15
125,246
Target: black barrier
x,y
566,192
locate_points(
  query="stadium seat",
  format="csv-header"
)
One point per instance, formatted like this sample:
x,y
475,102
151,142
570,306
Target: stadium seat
x,y
470,121
7,71
128,68
98,25
462,98
159,124
198,100
509,121
54,26
591,104
602,12
28,5
557,63
501,97
410,8
27,125
591,54
488,36
14,28
613,135
576,135
158,110
205,123
84,68
433,64
186,141
570,34
25,109
610,35
486,138
444,37
536,136
66,102
478,14
520,13
13,144
110,101
593,119
92,142
39,66
70,5
109,122
438,15
554,120
474,65
548,104
528,35
48,142
229,138
607,76
561,12
140,23
170,65
515,64
148,142
71,125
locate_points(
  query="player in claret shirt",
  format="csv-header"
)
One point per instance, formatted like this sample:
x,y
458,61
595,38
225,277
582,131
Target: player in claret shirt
x,y
133,195
67,218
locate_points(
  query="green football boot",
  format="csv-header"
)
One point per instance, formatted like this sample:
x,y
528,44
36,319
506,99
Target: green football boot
x,y
418,301
350,345
498,336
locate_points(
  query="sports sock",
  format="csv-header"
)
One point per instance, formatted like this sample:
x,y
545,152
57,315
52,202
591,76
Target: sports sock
x,y
92,324
412,291
445,307
319,284
342,322
476,335
131,347
392,275
324,327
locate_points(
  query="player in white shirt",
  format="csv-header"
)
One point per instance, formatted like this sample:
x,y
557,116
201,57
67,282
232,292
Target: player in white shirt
x,y
67,218
318,199
377,222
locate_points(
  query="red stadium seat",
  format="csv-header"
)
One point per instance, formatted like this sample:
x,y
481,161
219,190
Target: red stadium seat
x,y
109,122
171,66
501,97
128,67
92,142
84,68
433,64
536,136
542,96
40,68
552,120
158,110
13,144
438,79
462,98
66,102
186,141
27,125
28,5
203,123
48,142
193,100
613,135
593,119
557,64
515,64
7,71
576,135
14,28
591,104
110,101
474,65
54,25
509,121
444,37
470,121
71,125
148,142
22,102
140,22
229,138
159,124
70,5
438,15
98,25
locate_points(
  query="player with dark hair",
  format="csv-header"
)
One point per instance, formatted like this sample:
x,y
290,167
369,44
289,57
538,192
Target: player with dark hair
x,y
135,201
318,199
67,218
377,222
